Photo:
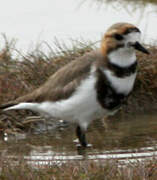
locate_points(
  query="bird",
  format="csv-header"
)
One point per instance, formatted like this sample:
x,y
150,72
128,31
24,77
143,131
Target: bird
x,y
92,86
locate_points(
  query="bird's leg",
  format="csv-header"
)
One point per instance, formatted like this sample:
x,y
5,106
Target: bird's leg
x,y
81,136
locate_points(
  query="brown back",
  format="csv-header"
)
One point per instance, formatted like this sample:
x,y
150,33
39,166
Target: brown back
x,y
63,83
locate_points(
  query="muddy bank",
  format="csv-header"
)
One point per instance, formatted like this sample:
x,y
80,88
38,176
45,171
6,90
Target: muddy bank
x,y
19,76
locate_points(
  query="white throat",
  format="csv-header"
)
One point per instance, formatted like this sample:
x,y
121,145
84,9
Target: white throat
x,y
123,57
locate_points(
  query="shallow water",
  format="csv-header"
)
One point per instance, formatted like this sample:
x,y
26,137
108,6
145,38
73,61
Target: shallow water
x,y
126,140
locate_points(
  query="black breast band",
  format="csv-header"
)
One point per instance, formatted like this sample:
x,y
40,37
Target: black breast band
x,y
106,95
122,71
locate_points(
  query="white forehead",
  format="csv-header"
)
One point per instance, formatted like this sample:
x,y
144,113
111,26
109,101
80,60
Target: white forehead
x,y
133,37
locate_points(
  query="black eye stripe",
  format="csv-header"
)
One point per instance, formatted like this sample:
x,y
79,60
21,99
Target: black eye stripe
x,y
118,37
129,30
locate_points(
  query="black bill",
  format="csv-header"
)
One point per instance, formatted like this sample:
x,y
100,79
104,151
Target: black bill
x,y
139,47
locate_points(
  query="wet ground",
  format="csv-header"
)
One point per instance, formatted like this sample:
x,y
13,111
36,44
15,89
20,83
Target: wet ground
x,y
126,140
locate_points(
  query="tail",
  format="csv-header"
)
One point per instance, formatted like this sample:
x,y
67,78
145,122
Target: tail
x,y
24,102
29,101
14,106
7,105
22,105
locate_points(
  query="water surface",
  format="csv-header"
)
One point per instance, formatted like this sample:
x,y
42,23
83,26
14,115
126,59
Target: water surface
x,y
131,139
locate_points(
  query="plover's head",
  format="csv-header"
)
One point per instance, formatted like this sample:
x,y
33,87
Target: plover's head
x,y
122,35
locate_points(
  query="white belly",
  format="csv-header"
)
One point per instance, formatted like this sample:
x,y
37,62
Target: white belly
x,y
82,105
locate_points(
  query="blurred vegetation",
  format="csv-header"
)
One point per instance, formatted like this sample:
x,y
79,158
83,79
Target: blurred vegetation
x,y
136,2
129,5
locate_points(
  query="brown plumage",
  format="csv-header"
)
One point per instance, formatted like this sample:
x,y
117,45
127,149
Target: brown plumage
x,y
63,83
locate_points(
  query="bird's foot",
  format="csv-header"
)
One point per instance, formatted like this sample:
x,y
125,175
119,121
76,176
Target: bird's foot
x,y
79,145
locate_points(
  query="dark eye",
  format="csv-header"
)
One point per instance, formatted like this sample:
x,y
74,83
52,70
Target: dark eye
x,y
118,37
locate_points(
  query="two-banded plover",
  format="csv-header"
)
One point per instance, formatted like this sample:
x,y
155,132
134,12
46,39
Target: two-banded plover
x,y
92,86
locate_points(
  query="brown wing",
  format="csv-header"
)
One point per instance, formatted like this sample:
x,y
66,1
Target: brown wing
x,y
63,83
